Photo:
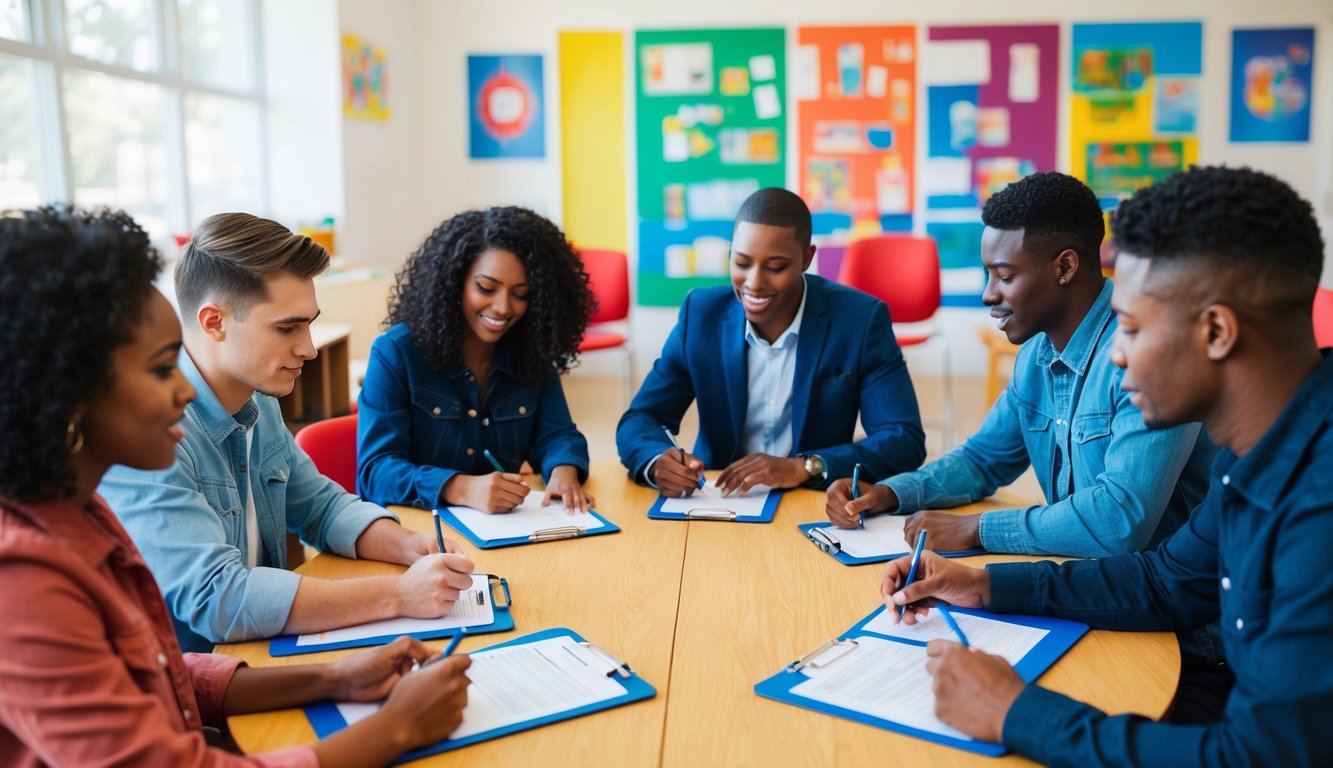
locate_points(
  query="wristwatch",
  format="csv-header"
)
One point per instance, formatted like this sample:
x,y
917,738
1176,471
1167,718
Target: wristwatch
x,y
814,467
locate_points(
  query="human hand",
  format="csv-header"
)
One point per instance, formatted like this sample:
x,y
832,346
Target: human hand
x,y
492,493
418,545
565,485
430,701
430,586
937,578
948,532
677,473
844,512
370,674
973,689
761,469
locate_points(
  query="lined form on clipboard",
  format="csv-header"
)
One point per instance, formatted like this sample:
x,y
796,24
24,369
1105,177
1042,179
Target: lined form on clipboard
x,y
473,609
526,519
748,506
882,535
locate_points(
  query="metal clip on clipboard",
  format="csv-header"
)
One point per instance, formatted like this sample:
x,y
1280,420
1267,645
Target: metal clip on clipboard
x,y
824,541
494,581
621,668
551,534
711,513
811,659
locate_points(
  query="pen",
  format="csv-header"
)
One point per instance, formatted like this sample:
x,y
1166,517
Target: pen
x,y
948,619
856,493
439,533
911,571
676,445
491,458
448,649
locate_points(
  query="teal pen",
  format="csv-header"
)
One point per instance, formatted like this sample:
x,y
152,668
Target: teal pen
x,y
676,445
448,649
856,493
911,571
491,458
948,619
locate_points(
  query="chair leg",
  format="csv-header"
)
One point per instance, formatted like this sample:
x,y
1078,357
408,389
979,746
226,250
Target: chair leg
x,y
629,374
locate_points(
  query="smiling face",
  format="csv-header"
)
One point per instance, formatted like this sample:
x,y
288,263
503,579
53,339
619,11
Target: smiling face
x,y
495,296
134,422
1022,289
766,275
263,347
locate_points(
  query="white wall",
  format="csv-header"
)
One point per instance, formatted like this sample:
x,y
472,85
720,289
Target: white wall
x,y
404,176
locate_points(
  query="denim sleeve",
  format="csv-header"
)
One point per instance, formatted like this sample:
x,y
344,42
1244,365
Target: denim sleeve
x,y
203,578
662,400
1116,514
385,474
555,439
993,457
325,515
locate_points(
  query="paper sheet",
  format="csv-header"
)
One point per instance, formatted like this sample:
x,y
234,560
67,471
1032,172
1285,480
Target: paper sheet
x,y
473,609
749,505
882,535
956,62
525,519
766,103
518,683
883,679
1001,638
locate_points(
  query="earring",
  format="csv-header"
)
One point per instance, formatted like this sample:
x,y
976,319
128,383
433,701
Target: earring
x,y
1063,281
74,435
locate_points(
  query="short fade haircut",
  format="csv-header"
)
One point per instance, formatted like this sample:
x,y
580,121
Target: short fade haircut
x,y
1244,226
777,207
231,256
1050,206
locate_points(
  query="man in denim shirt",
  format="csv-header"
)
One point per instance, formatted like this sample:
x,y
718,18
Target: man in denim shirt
x,y
1217,275
212,526
1111,485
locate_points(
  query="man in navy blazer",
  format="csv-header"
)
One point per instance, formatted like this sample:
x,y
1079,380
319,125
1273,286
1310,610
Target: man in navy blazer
x,y
781,364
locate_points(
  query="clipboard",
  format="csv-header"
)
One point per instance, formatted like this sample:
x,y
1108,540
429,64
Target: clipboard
x,y
831,546
706,512
554,533
326,719
287,645
1061,636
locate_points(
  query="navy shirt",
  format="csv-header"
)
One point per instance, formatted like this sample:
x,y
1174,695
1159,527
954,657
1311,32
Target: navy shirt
x,y
1255,554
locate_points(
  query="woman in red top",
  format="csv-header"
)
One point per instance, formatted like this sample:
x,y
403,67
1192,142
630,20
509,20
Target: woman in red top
x,y
91,673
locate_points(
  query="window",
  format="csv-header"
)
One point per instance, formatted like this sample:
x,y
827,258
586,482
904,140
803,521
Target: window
x,y
153,106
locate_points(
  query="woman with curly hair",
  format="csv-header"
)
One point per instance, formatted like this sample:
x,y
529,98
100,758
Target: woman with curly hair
x,y
484,318
91,671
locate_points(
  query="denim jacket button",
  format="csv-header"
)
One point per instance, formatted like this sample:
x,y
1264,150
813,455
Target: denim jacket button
x,y
522,409
1226,583
1240,623
436,410
471,452
472,412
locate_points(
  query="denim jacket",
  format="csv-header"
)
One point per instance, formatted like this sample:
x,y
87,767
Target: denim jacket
x,y
189,520
1111,484
418,427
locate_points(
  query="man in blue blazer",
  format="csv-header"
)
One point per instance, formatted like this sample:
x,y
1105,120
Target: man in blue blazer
x,y
781,364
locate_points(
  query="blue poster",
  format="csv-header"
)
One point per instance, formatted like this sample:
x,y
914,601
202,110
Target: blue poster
x,y
505,106
1271,84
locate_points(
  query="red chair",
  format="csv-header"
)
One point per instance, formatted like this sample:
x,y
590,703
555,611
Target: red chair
x,y
608,328
331,444
903,271
1323,317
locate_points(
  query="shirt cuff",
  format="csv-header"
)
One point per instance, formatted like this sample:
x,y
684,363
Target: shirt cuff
x,y
1000,531
210,675
1013,587
1037,722
350,522
647,472
908,493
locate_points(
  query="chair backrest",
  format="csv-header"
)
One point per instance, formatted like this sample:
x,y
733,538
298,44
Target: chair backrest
x,y
1323,317
903,271
608,274
331,444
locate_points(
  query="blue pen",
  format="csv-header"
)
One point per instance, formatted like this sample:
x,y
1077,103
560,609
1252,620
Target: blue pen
x,y
856,493
911,571
491,458
448,649
948,619
439,532
676,445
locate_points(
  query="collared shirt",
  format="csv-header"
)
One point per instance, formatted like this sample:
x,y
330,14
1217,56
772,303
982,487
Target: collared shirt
x,y
418,427
1111,484
1255,554
771,368
189,519
91,672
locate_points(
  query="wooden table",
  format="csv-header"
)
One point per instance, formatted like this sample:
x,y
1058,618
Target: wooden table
x,y
703,611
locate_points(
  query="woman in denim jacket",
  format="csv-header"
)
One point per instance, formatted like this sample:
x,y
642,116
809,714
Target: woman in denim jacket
x,y
484,318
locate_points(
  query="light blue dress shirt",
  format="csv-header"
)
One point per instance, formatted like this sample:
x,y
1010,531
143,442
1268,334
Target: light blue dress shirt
x,y
771,369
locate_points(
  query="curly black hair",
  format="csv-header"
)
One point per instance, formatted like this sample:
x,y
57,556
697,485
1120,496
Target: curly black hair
x,y
1236,220
73,285
429,290
1049,204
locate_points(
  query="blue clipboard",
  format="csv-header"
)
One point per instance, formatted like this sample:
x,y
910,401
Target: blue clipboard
x,y
831,547
285,645
326,720
549,534
1061,636
704,512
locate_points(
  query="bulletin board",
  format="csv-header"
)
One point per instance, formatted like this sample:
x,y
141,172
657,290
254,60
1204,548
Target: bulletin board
x,y
711,129
855,95
991,101
1135,104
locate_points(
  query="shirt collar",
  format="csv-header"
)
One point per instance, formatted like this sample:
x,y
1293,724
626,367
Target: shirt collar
x,y
793,331
90,531
1078,353
217,422
455,368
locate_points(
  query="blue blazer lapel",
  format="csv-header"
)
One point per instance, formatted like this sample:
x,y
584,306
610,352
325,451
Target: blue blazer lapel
x,y
809,347
735,373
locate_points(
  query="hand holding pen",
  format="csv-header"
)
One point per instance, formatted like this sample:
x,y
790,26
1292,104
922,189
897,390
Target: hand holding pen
x,y
677,473
926,579
504,490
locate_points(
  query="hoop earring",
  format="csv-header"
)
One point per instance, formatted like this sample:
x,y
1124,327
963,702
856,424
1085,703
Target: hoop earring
x,y
74,435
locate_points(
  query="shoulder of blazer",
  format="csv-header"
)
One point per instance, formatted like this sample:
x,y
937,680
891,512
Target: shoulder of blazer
x,y
711,305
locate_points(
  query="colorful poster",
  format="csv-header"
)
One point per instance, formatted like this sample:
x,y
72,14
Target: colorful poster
x,y
1271,84
1135,104
991,114
856,121
506,117
365,80
711,129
